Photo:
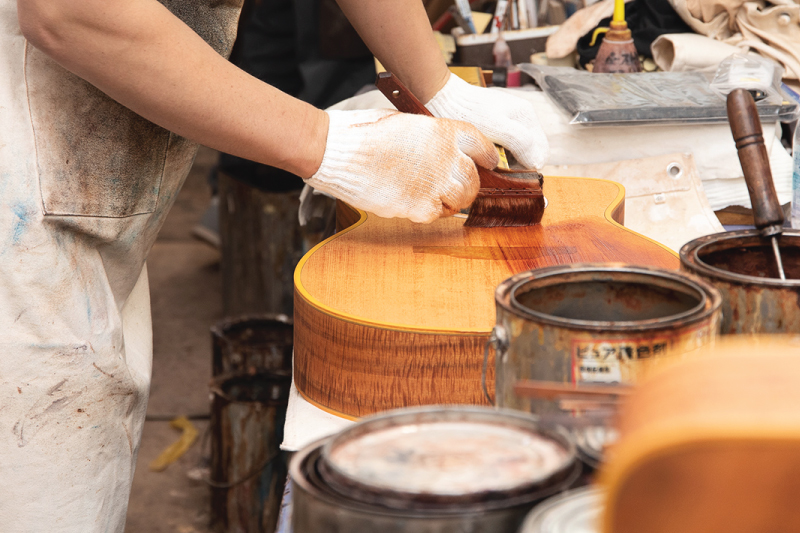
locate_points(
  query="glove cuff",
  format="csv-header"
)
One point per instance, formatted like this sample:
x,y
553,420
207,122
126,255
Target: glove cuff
x,y
447,103
345,139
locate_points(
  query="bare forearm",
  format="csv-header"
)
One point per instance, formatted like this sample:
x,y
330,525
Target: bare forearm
x,y
144,57
399,34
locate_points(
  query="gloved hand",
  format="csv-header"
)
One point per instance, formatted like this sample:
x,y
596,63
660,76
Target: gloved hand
x,y
400,165
504,118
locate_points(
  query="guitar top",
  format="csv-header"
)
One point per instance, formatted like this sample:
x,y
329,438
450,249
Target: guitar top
x,y
389,313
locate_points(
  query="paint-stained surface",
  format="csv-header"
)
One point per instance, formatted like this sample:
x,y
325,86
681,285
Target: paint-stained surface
x,y
213,20
84,188
79,132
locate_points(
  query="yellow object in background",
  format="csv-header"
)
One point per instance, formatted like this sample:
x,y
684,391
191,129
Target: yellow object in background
x,y
481,21
175,451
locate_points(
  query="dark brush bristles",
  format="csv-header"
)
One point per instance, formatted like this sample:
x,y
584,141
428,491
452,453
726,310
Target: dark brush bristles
x,y
491,210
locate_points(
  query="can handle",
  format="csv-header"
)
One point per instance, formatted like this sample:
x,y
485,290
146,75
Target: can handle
x,y
497,340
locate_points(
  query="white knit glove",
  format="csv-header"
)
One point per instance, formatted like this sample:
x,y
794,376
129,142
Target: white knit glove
x,y
504,118
400,165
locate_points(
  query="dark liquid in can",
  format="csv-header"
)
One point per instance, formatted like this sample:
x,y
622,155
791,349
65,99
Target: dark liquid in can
x,y
757,261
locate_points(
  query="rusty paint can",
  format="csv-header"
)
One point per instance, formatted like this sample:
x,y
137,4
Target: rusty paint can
x,y
431,470
742,266
595,324
248,469
574,511
252,344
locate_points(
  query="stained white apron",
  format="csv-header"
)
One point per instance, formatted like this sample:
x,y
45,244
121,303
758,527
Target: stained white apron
x,y
85,185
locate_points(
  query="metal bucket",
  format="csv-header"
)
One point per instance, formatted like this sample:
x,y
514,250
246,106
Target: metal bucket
x,y
595,323
741,265
248,469
252,344
430,470
575,511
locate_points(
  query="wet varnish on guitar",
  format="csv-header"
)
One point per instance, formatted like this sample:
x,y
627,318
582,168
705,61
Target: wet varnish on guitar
x,y
389,313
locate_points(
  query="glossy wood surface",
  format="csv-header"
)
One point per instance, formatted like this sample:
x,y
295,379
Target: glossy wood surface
x,y
389,313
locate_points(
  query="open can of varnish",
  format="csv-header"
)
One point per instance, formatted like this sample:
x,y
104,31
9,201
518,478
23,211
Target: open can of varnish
x,y
595,324
741,265
431,470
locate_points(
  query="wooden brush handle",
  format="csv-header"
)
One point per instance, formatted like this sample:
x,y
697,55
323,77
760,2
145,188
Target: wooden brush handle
x,y
746,129
397,93
405,102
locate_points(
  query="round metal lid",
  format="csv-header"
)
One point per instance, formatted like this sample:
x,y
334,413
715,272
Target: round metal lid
x,y
445,453
575,511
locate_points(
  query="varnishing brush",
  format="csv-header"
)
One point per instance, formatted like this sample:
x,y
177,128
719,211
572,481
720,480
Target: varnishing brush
x,y
506,198
746,129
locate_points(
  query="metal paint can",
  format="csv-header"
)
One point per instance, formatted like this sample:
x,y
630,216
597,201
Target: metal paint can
x,y
575,511
431,470
595,324
252,344
248,469
741,265
591,443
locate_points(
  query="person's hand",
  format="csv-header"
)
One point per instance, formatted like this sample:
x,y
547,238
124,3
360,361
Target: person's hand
x,y
504,118
399,165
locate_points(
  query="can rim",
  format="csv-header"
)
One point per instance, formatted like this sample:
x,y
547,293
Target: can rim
x,y
583,495
691,261
303,468
710,298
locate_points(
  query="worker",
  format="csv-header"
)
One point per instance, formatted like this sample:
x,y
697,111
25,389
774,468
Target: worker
x,y
102,104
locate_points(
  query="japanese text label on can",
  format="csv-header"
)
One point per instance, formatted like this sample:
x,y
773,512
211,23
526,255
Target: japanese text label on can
x,y
618,361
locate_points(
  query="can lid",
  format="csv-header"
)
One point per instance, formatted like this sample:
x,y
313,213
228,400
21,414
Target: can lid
x,y
446,454
449,458
576,511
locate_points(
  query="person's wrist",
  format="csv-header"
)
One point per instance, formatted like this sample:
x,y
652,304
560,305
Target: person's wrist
x,y
313,150
432,88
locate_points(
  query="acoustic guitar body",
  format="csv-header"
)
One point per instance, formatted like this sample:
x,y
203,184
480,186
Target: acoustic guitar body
x,y
391,314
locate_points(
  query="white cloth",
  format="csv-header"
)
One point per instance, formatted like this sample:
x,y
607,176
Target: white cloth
x,y
505,119
686,52
395,164
307,423
664,198
85,187
733,191
769,27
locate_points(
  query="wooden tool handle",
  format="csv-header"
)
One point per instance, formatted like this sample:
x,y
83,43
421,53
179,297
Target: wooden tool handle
x,y
746,129
399,95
